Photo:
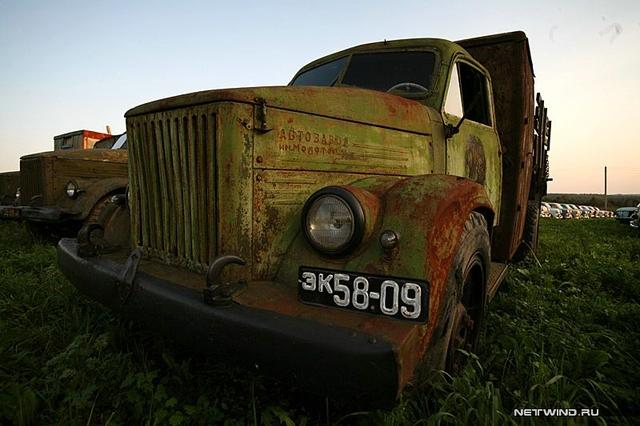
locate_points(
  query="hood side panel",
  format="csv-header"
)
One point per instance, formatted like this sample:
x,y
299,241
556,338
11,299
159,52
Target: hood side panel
x,y
301,141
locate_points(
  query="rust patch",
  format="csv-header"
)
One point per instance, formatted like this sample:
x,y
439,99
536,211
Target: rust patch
x,y
475,161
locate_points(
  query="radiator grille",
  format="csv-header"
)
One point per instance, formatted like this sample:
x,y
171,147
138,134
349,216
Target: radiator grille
x,y
173,186
31,180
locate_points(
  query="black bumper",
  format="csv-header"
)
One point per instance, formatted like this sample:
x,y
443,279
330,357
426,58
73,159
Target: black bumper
x,y
36,214
328,360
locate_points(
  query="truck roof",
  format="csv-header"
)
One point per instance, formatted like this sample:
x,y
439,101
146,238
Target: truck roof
x,y
445,47
88,133
107,155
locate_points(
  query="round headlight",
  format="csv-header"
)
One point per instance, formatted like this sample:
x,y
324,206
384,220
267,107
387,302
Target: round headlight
x,y
333,220
71,189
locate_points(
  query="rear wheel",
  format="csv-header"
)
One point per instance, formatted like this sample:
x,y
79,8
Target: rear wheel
x,y
530,233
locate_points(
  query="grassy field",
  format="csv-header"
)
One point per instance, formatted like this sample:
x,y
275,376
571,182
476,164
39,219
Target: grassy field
x,y
561,333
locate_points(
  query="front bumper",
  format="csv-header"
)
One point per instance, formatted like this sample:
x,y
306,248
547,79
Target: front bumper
x,y
36,214
326,359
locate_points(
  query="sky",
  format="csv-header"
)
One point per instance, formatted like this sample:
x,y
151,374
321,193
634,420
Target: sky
x,y
68,65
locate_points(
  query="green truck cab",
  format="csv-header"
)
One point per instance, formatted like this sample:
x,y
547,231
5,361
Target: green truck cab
x,y
62,189
347,230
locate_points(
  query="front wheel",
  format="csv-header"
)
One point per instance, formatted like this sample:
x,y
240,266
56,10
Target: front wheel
x,y
463,307
466,301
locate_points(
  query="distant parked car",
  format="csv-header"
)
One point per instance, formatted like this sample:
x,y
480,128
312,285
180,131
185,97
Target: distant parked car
x,y
600,213
635,218
563,210
572,213
623,214
544,211
577,213
608,213
586,211
553,212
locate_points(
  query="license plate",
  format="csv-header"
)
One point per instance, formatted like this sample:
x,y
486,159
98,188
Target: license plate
x,y
400,298
10,212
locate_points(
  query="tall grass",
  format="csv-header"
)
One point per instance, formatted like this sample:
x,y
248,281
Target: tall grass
x,y
560,335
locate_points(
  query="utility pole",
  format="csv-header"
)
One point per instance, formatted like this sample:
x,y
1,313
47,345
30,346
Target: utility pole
x,y
605,187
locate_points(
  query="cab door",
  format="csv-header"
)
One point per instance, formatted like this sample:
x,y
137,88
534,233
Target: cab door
x,y
474,150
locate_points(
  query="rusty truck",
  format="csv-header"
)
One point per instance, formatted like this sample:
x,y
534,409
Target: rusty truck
x,y
62,189
78,139
347,230
9,185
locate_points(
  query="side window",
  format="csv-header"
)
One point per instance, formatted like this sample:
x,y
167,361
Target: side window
x,y
453,103
474,94
66,143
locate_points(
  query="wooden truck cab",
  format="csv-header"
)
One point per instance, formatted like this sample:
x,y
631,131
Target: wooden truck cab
x,y
60,190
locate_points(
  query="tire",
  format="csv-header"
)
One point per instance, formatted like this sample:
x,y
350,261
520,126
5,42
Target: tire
x,y
464,307
530,231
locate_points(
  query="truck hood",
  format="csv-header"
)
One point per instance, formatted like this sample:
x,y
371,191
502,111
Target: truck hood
x,y
106,155
352,104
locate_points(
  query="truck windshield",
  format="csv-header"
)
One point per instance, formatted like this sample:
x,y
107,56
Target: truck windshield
x,y
121,143
376,71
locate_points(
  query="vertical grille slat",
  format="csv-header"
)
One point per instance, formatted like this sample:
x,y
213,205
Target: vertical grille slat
x,y
141,192
153,185
31,178
165,212
173,186
168,186
134,203
201,133
184,158
177,190
212,182
193,192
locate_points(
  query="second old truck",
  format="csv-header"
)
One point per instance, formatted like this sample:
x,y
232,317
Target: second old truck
x,y
61,190
347,230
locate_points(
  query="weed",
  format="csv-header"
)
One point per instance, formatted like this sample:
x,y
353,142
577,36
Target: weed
x,y
561,334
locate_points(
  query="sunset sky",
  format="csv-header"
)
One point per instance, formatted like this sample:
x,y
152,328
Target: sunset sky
x,y
68,65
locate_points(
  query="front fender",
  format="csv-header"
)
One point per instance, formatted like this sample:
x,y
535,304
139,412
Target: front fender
x,y
92,193
428,212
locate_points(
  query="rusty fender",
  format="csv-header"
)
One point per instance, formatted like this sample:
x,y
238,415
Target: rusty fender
x,y
428,212
93,193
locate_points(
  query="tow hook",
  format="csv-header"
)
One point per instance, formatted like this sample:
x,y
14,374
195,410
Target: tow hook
x,y
216,293
88,235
